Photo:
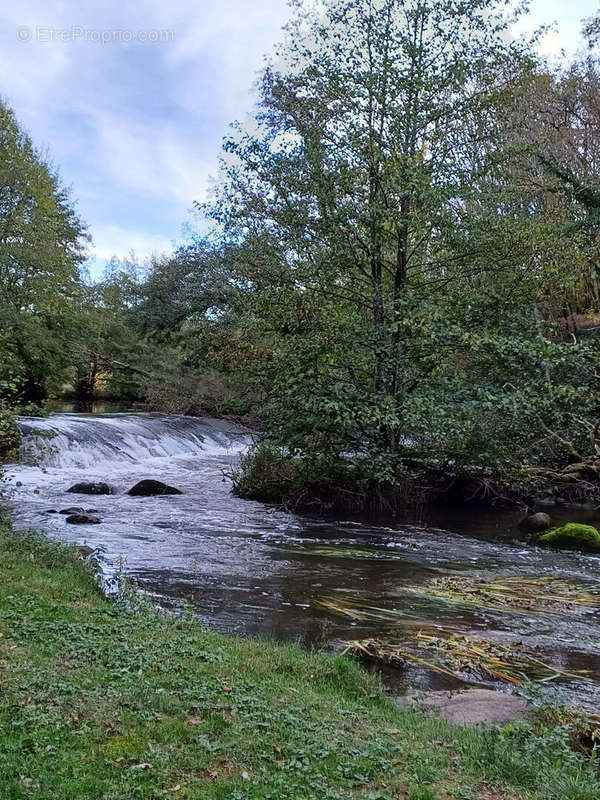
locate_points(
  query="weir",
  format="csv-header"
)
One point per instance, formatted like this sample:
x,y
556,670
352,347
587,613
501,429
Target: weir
x,y
253,569
77,441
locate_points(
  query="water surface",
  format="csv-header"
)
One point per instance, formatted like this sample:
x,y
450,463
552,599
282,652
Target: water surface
x,y
251,569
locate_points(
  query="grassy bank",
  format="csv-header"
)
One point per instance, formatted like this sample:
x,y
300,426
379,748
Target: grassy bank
x,y
102,702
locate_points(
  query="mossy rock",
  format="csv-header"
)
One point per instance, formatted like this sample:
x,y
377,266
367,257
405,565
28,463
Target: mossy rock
x,y
581,537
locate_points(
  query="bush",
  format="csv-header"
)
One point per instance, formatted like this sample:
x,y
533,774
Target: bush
x,y
10,437
32,410
267,473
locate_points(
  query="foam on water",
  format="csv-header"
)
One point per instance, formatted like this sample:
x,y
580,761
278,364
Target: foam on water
x,y
248,568
68,441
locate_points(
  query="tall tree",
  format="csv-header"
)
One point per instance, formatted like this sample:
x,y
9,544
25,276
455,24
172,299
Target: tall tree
x,y
346,193
41,247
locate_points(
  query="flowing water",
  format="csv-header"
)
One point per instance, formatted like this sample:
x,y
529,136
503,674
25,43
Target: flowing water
x,y
251,569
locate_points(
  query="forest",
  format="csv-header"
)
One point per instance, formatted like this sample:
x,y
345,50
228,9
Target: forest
x,y
395,280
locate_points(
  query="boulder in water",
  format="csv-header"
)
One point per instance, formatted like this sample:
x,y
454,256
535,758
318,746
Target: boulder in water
x,y
151,488
536,523
87,487
573,535
85,551
83,519
72,510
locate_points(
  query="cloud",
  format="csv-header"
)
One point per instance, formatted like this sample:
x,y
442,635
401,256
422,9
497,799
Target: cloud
x,y
154,160
136,127
110,240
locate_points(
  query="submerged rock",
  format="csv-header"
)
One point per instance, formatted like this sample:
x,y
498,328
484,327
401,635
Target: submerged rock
x,y
536,523
469,708
87,487
573,535
151,488
83,519
85,551
72,510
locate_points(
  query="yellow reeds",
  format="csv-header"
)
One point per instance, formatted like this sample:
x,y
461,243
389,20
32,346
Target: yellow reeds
x,y
523,595
465,659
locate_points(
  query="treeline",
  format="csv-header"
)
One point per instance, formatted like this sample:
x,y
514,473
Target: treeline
x,y
401,280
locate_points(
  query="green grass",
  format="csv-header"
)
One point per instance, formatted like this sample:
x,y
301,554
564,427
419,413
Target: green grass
x,y
102,701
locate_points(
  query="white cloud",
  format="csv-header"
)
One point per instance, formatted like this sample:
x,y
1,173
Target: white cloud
x,y
155,160
564,17
136,129
115,240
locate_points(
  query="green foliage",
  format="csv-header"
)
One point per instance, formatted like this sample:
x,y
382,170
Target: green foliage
x,y
40,250
393,276
267,473
9,433
400,289
339,201
32,410
270,473
573,534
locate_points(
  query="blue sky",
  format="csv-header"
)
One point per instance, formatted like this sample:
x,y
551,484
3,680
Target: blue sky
x,y
135,123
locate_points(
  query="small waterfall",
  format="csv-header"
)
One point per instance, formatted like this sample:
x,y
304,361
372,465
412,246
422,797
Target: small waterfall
x,y
254,569
69,441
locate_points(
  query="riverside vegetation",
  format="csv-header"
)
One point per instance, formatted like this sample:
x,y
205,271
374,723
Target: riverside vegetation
x,y
399,289
401,258
112,698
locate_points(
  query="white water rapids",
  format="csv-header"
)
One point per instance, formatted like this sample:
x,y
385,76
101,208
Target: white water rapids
x,y
248,568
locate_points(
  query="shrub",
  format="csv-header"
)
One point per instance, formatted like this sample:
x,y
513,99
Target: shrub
x,y
10,436
267,473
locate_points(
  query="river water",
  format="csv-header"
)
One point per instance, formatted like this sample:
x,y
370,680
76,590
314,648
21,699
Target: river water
x,y
250,569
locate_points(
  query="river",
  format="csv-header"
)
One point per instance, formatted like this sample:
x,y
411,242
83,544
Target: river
x,y
246,568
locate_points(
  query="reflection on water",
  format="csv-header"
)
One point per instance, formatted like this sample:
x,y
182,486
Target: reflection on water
x,y
250,569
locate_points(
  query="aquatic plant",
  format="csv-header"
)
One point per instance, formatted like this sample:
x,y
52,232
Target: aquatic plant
x,y
345,551
356,608
465,659
517,595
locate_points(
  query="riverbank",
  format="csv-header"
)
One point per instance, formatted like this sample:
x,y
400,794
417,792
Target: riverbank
x,y
103,700
269,474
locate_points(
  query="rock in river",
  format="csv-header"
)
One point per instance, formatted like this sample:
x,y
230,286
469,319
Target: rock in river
x,y
536,523
83,519
87,487
72,510
150,488
574,535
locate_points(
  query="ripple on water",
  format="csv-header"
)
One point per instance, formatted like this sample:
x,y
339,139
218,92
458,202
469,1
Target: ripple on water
x,y
248,568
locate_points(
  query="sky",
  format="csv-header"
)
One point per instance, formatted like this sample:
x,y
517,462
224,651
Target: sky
x,y
131,100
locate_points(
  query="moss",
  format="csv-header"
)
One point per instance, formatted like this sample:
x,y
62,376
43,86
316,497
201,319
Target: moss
x,y
584,537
